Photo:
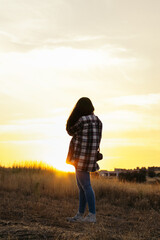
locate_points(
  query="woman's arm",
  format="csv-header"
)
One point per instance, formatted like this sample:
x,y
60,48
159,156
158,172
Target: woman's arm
x,y
75,128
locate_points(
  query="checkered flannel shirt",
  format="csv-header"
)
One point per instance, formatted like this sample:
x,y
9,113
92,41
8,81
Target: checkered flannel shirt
x,y
87,133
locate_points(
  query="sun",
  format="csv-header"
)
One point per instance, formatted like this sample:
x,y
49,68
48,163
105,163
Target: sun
x,y
60,165
58,161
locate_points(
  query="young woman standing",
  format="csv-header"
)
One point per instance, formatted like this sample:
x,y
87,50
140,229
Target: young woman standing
x,y
86,131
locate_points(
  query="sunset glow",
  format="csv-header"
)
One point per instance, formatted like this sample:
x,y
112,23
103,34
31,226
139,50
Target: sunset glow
x,y
54,52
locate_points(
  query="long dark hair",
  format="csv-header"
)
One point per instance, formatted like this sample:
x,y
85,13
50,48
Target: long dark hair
x,y
83,107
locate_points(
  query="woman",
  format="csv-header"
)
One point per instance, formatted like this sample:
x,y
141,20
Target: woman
x,y
86,131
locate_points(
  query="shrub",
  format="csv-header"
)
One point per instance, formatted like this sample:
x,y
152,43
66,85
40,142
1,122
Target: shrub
x,y
133,176
151,173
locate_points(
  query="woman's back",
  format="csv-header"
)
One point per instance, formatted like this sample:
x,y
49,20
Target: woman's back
x,y
85,142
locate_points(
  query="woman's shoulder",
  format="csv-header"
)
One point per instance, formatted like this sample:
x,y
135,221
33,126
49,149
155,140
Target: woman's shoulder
x,y
91,117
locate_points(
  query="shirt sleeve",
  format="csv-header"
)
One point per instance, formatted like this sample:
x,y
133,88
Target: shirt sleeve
x,y
100,130
75,128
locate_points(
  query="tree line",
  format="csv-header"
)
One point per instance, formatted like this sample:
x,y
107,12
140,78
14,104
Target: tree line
x,y
139,175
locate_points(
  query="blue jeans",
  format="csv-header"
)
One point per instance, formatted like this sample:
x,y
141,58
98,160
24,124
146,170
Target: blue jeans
x,y
86,193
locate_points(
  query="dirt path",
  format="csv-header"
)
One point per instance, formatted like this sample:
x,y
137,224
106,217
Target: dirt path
x,y
35,217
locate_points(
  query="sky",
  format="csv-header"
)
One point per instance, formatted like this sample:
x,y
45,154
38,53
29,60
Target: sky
x,y
53,52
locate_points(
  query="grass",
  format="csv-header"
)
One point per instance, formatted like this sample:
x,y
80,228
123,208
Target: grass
x,y
43,181
35,201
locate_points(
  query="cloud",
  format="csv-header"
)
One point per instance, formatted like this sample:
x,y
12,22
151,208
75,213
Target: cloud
x,y
35,24
137,100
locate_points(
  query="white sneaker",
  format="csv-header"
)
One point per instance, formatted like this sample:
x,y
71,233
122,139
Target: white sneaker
x,y
90,218
77,218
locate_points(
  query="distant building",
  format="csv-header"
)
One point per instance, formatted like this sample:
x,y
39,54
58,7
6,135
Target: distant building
x,y
105,173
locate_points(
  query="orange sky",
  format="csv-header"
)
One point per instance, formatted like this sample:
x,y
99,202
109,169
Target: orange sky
x,y
54,52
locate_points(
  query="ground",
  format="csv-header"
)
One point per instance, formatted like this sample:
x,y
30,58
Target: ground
x,y
42,217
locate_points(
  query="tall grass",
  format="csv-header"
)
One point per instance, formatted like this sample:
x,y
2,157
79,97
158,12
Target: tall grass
x,y
141,196
40,180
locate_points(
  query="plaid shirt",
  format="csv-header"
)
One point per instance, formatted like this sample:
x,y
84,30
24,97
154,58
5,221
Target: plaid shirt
x,y
87,133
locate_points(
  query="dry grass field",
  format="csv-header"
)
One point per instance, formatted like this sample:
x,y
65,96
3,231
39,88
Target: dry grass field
x,y
35,202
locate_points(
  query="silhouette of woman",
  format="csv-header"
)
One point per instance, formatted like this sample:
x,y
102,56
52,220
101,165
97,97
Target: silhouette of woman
x,y
86,131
